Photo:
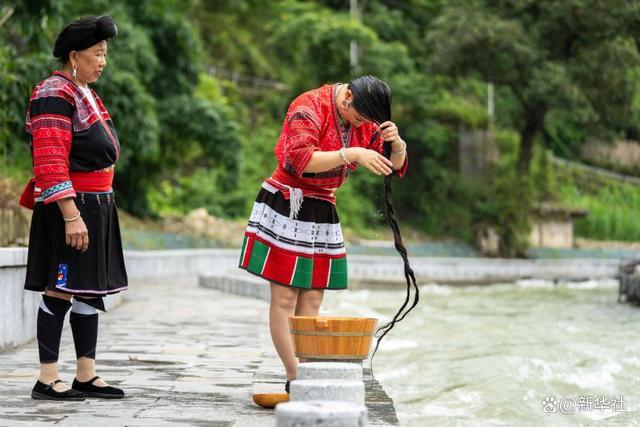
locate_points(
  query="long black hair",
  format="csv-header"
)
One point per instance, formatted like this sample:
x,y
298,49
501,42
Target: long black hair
x,y
372,99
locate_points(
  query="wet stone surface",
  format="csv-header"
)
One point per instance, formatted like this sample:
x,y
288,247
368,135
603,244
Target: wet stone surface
x,y
185,356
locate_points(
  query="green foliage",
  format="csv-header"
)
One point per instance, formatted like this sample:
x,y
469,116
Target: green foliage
x,y
611,205
459,111
198,189
148,86
574,56
563,71
176,46
611,212
134,115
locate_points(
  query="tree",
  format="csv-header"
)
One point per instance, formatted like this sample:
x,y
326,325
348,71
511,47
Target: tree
x,y
573,56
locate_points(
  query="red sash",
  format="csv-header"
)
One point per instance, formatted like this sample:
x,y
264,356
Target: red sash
x,y
92,182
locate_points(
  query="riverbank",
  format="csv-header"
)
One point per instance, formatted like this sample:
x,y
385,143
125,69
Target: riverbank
x,y
365,271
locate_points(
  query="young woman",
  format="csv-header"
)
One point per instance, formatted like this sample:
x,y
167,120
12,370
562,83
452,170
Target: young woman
x,y
75,251
294,239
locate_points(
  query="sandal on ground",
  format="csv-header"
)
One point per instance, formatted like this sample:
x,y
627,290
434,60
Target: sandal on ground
x,y
270,400
91,390
42,391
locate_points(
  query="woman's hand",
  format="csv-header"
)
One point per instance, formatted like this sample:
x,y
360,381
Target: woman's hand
x,y
390,133
398,146
76,234
370,159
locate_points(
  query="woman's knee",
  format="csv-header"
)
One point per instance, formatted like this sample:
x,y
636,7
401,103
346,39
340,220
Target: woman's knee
x,y
311,298
283,298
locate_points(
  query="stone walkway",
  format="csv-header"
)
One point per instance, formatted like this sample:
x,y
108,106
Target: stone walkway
x,y
185,356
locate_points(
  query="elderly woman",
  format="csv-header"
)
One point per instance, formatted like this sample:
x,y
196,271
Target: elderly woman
x,y
75,251
294,239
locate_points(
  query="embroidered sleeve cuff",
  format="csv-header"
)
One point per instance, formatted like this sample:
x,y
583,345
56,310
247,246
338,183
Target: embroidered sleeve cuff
x,y
57,192
400,172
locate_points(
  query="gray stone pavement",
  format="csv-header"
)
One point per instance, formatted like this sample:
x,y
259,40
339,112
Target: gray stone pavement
x,y
185,356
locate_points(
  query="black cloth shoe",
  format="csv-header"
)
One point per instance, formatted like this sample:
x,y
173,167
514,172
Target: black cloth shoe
x,y
90,390
42,391
286,387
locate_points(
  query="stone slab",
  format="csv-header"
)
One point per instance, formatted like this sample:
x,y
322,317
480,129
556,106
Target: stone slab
x,y
323,413
329,371
321,390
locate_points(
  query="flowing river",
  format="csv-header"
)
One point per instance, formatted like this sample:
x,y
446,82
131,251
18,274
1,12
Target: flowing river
x,y
527,353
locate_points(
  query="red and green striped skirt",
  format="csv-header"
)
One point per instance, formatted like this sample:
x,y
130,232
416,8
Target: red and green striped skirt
x,y
307,252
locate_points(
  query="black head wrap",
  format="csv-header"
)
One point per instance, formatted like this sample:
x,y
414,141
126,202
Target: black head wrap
x,y
82,34
371,98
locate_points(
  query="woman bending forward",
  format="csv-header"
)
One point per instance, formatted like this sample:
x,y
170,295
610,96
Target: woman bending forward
x,y
293,238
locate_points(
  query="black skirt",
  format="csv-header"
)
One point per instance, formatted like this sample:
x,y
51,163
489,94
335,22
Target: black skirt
x,y
54,265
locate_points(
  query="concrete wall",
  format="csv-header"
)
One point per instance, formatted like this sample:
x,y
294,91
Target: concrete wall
x,y
14,226
150,264
239,284
477,153
18,308
621,153
552,233
470,270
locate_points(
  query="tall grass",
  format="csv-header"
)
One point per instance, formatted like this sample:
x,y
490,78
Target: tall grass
x,y
613,207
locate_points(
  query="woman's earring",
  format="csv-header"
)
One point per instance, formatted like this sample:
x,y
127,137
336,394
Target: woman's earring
x,y
345,104
75,73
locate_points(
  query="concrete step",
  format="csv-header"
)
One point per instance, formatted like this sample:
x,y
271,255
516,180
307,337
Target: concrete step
x,y
340,390
329,371
320,413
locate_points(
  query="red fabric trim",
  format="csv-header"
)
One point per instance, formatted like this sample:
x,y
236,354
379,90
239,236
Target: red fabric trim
x,y
59,196
51,147
400,172
94,181
100,114
27,199
50,115
248,250
281,177
320,279
302,254
279,265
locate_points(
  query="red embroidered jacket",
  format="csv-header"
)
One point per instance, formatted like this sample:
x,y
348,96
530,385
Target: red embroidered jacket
x,y
74,147
312,124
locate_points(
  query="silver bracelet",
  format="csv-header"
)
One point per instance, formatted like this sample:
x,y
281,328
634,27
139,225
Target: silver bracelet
x,y
71,219
344,156
404,149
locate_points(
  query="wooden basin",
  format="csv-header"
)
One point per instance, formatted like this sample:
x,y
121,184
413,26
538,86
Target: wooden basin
x,y
333,338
